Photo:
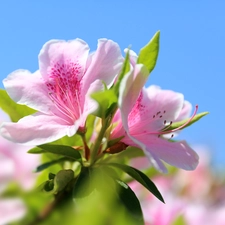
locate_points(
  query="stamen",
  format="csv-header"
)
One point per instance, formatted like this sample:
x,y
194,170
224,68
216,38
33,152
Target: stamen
x,y
60,107
180,127
176,129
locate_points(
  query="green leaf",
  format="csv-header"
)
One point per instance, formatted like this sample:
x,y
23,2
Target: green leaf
x,y
140,177
90,121
36,150
107,101
48,164
131,152
181,123
148,54
131,202
124,71
61,150
83,186
75,140
14,110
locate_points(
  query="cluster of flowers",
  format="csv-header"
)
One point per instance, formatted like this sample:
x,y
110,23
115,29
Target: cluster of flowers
x,y
61,93
73,87
196,197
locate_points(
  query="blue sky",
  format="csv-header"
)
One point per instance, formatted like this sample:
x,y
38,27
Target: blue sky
x,y
192,46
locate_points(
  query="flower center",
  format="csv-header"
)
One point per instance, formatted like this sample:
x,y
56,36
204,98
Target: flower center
x,y
64,89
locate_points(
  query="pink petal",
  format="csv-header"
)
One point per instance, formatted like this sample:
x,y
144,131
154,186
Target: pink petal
x,y
185,112
90,105
104,64
37,129
56,53
154,109
178,154
28,89
130,89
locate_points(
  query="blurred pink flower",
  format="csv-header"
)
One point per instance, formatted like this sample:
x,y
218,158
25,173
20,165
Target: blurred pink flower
x,y
193,195
154,211
16,166
60,89
11,210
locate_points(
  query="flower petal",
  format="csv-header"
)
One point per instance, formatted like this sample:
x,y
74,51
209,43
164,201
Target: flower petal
x,y
185,112
37,129
178,154
105,63
56,53
90,105
130,89
154,109
28,89
153,158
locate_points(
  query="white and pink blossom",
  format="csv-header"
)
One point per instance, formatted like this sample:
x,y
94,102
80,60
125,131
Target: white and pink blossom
x,y
144,113
60,90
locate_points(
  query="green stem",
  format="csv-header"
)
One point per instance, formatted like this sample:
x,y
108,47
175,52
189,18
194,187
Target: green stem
x,y
86,148
98,142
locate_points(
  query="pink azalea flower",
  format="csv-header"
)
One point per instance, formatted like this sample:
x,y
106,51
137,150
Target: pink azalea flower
x,y
16,166
154,211
60,89
144,113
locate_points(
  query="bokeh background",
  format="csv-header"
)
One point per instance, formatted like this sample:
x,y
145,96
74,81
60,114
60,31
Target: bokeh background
x,y
192,49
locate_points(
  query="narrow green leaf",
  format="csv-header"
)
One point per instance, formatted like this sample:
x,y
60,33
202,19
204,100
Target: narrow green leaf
x,y
140,177
48,164
148,54
124,71
36,150
14,110
62,150
131,202
181,123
